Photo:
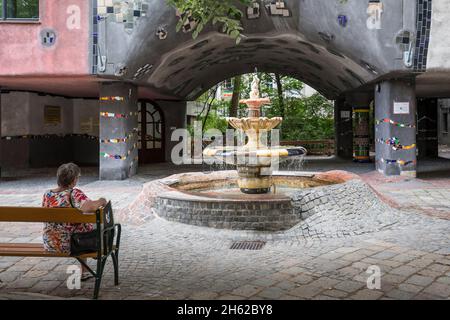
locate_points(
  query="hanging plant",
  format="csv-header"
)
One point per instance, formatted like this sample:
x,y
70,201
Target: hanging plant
x,y
203,12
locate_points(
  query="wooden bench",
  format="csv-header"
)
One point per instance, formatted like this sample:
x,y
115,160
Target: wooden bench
x,y
108,235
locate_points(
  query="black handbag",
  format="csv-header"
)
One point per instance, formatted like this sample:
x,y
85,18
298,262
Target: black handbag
x,y
82,243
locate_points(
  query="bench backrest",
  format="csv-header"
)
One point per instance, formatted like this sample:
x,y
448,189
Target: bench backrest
x,y
103,218
58,215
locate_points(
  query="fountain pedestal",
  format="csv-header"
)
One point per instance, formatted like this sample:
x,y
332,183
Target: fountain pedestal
x,y
254,180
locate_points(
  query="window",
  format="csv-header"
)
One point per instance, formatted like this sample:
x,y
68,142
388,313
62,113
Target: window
x,y
445,122
19,9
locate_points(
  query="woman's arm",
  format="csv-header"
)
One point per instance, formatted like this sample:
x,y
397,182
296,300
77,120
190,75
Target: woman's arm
x,y
90,206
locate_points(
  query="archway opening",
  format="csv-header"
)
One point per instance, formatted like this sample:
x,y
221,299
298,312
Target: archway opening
x,y
151,133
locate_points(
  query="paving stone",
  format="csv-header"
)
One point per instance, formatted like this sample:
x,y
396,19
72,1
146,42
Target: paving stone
x,y
439,268
429,273
384,255
349,271
22,283
366,294
229,297
306,291
247,291
302,279
404,271
293,270
324,297
272,293
404,257
280,276
46,286
335,293
420,263
288,297
265,282
400,295
19,267
35,274
410,288
349,286
445,280
9,276
286,285
346,250
420,280
204,295
325,282
426,296
438,289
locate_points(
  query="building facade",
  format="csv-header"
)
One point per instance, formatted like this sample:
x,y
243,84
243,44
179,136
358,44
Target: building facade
x,y
105,82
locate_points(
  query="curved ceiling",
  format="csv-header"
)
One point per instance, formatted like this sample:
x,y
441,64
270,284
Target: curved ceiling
x,y
306,40
192,69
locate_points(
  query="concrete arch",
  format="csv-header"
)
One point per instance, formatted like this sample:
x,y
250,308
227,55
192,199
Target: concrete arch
x,y
311,43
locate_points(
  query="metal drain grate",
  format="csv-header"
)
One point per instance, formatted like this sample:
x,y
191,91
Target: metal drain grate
x,y
248,245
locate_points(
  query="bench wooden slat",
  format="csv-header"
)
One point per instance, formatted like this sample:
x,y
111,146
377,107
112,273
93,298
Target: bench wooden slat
x,y
33,250
58,215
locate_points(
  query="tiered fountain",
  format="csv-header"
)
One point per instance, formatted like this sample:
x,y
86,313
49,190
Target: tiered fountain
x,y
255,160
252,198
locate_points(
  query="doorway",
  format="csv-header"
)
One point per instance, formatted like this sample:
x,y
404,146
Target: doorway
x,y
151,133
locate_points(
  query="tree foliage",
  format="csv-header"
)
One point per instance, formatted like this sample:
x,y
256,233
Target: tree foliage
x,y
305,118
224,13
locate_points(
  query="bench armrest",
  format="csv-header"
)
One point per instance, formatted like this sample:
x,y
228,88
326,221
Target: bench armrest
x,y
118,228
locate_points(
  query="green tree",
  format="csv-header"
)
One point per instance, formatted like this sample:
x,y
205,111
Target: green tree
x,y
305,118
223,12
234,104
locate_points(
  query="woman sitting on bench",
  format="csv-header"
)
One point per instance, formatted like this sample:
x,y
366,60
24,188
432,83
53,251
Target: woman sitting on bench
x,y
57,235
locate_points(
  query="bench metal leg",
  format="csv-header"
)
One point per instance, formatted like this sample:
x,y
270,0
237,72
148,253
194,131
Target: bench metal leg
x,y
98,278
115,257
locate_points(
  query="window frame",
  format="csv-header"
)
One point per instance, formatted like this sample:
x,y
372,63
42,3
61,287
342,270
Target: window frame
x,y
4,14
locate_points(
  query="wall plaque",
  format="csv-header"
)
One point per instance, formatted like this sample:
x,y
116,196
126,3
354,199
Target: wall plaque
x,y
52,115
401,107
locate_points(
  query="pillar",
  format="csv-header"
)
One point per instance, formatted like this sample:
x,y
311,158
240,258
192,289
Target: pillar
x,y
395,128
360,103
343,129
175,116
118,131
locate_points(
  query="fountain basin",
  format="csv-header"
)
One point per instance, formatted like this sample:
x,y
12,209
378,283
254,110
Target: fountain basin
x,y
215,200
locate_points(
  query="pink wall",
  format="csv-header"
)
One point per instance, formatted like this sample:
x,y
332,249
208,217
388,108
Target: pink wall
x,y
21,51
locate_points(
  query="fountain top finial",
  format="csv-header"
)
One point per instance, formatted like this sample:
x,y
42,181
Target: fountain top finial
x,y
254,94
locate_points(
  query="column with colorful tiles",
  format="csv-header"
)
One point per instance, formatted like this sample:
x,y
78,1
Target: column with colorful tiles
x,y
360,106
118,136
395,127
361,134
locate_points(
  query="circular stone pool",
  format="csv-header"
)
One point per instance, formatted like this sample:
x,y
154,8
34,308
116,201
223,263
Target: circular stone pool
x,y
214,200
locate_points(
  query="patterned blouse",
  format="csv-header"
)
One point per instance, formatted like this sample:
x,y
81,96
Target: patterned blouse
x,y
57,235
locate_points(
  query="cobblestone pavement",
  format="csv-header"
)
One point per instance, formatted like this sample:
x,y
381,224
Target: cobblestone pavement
x,y
164,260
325,257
